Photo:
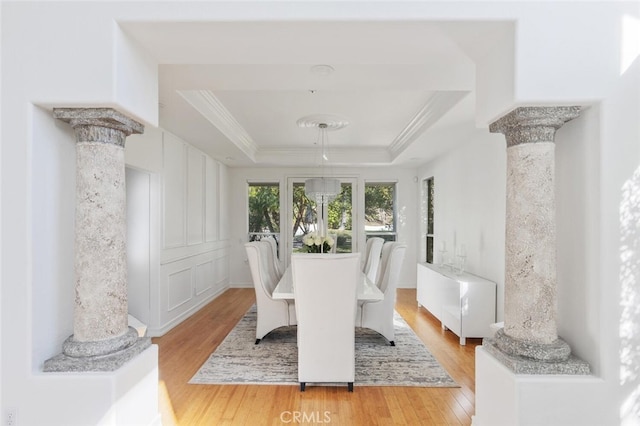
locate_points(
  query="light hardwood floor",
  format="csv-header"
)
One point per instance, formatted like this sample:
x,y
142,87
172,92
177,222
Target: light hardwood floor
x,y
183,350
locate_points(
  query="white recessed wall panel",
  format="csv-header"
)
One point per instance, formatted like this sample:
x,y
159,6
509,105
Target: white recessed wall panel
x,y
189,283
179,288
221,270
138,243
223,202
195,197
210,197
174,191
204,277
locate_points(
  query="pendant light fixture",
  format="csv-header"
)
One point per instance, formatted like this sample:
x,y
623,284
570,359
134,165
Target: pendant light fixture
x,y
323,189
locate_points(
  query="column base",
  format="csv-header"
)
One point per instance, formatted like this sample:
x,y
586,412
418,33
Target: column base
x,y
108,355
525,365
555,351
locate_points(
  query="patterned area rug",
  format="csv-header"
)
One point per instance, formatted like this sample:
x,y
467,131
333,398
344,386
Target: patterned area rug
x,y
275,360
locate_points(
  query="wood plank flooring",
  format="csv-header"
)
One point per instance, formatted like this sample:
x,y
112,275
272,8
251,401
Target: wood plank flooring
x,y
183,350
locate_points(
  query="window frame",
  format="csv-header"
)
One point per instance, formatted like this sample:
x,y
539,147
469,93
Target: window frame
x,y
382,234
257,236
287,245
428,186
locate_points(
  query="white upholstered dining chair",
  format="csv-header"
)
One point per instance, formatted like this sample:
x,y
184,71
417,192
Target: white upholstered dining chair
x,y
274,251
325,289
372,261
378,315
272,313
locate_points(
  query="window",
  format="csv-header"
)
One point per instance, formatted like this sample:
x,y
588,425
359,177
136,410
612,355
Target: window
x,y
303,216
339,218
337,215
380,211
264,211
428,189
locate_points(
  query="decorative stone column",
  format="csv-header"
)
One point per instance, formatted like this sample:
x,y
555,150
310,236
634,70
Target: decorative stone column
x,y
529,342
102,339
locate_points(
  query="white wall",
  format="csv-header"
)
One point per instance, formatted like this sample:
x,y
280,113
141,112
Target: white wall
x,y
577,212
56,55
597,169
189,261
495,81
140,252
538,74
598,230
51,235
618,285
469,204
406,205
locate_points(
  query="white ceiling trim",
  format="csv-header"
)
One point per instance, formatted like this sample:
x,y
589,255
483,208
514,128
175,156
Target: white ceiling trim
x,y
210,107
436,106
206,103
362,156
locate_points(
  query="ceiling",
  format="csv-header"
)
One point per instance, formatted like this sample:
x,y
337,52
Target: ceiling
x,y
236,89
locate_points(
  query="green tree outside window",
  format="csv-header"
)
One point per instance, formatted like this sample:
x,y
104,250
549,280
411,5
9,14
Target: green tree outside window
x,y
264,210
379,210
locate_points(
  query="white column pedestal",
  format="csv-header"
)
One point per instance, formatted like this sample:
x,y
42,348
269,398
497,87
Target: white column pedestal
x,y
127,396
504,398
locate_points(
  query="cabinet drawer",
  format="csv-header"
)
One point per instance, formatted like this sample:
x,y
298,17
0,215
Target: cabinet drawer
x,y
451,319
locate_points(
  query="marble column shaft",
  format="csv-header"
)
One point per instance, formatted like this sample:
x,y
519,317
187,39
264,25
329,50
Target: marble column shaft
x,y
100,326
100,242
530,327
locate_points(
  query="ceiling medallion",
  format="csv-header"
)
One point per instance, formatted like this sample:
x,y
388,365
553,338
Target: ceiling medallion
x,y
331,122
322,70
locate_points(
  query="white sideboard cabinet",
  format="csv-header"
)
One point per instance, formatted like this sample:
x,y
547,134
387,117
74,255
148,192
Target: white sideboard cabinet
x,y
464,303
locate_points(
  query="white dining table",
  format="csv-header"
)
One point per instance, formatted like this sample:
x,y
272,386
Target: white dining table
x,y
366,290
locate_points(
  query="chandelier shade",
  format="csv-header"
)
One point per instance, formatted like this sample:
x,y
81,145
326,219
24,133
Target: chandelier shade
x,y
322,190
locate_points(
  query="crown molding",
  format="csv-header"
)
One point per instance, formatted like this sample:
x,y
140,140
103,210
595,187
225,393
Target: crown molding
x,y
206,103
308,157
436,106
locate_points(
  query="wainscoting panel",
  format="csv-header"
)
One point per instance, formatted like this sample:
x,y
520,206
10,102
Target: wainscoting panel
x,y
210,196
174,191
193,258
189,283
204,277
222,272
223,200
179,288
195,197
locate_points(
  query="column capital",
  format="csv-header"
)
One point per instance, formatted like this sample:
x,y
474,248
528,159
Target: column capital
x,y
104,125
533,124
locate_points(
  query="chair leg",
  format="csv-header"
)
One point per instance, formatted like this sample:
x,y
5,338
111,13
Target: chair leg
x,y
257,341
350,386
392,343
302,386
